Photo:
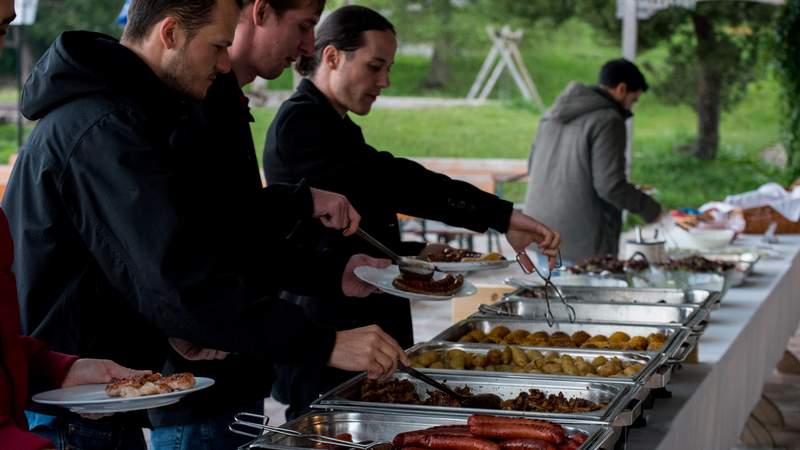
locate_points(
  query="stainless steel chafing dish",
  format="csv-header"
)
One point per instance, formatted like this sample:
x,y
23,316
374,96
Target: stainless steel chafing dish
x,y
687,315
573,294
653,374
384,426
680,341
745,262
623,400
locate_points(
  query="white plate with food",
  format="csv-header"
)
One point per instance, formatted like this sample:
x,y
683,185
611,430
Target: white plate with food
x,y
459,260
145,392
443,286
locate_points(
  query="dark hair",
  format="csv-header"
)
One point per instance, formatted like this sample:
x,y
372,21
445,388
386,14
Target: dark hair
x,y
281,6
192,15
343,29
619,71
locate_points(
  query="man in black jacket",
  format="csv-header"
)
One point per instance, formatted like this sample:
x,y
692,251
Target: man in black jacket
x,y
118,247
313,138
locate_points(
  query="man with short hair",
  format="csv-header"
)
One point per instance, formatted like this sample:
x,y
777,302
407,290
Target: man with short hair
x,y
116,232
577,182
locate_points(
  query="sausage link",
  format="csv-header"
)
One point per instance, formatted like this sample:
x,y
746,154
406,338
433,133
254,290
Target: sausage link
x,y
415,438
514,431
483,419
580,438
571,445
443,442
527,444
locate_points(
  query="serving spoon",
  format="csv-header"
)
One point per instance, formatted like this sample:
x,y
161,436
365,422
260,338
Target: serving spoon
x,y
410,268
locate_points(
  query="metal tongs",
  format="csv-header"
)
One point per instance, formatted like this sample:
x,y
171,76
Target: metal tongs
x,y
522,259
239,419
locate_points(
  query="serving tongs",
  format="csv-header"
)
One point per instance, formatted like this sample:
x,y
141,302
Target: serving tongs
x,y
525,262
410,268
480,401
240,420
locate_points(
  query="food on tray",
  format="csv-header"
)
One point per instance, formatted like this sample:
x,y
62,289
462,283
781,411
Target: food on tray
x,y
447,285
517,360
484,432
150,384
697,263
617,341
404,392
608,263
460,255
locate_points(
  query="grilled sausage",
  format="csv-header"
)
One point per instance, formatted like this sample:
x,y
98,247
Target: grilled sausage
x,y
571,445
484,419
415,438
444,442
514,431
527,444
580,438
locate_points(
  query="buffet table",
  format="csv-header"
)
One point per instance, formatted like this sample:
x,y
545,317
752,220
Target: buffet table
x,y
745,339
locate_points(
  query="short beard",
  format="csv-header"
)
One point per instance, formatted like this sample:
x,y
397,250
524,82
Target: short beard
x,y
172,76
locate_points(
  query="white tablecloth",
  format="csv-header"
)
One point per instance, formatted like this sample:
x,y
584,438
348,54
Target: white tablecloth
x,y
743,342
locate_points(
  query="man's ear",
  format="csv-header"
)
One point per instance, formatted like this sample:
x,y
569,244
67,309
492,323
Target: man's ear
x,y
261,11
621,89
168,32
331,56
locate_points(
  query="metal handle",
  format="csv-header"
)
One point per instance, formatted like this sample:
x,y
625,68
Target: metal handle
x,y
683,351
286,432
377,244
494,310
428,380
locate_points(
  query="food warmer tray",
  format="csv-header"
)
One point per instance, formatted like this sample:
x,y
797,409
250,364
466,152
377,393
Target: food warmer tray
x,y
384,426
745,262
690,316
697,297
623,408
655,374
680,340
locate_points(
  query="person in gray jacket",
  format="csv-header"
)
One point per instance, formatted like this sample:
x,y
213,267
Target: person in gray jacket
x,y
576,181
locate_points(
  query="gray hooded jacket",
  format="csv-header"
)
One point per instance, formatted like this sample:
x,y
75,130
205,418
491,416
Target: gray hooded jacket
x,y
576,181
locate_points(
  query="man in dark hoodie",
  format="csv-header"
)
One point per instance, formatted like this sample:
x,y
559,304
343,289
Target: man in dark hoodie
x,y
117,246
577,183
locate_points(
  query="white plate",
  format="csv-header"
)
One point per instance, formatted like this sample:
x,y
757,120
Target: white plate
x,y
92,398
471,266
382,279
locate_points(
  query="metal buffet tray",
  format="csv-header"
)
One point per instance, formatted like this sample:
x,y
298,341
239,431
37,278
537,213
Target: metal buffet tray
x,y
383,426
680,340
616,413
698,297
687,315
652,375
745,262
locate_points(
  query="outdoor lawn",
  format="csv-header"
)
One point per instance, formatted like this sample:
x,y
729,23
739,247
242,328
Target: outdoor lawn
x,y
506,127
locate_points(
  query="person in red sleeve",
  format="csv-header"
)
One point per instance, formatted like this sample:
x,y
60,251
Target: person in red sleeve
x,y
26,366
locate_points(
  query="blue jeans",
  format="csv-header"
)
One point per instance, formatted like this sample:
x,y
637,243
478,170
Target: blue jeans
x,y
213,434
75,433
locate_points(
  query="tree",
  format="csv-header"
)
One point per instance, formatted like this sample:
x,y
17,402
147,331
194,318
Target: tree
x,y
787,56
713,55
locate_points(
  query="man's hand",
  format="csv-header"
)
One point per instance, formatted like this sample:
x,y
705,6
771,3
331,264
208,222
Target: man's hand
x,y
352,286
193,352
335,211
95,371
367,348
524,230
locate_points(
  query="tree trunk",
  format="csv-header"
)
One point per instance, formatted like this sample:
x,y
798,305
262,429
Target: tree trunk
x,y
709,85
439,71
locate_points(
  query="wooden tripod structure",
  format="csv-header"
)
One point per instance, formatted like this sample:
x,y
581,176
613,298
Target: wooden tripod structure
x,y
504,54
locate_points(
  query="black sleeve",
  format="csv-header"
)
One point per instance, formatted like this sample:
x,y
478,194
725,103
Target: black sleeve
x,y
405,184
147,240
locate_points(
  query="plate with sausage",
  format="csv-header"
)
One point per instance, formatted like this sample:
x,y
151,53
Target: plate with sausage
x,y
443,286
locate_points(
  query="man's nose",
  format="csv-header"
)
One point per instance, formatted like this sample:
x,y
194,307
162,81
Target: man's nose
x,y
307,45
224,62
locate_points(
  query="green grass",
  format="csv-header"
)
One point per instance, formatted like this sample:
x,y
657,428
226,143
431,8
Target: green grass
x,y
506,128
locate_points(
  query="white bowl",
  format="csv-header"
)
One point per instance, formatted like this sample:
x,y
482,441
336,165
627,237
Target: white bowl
x,y
704,238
